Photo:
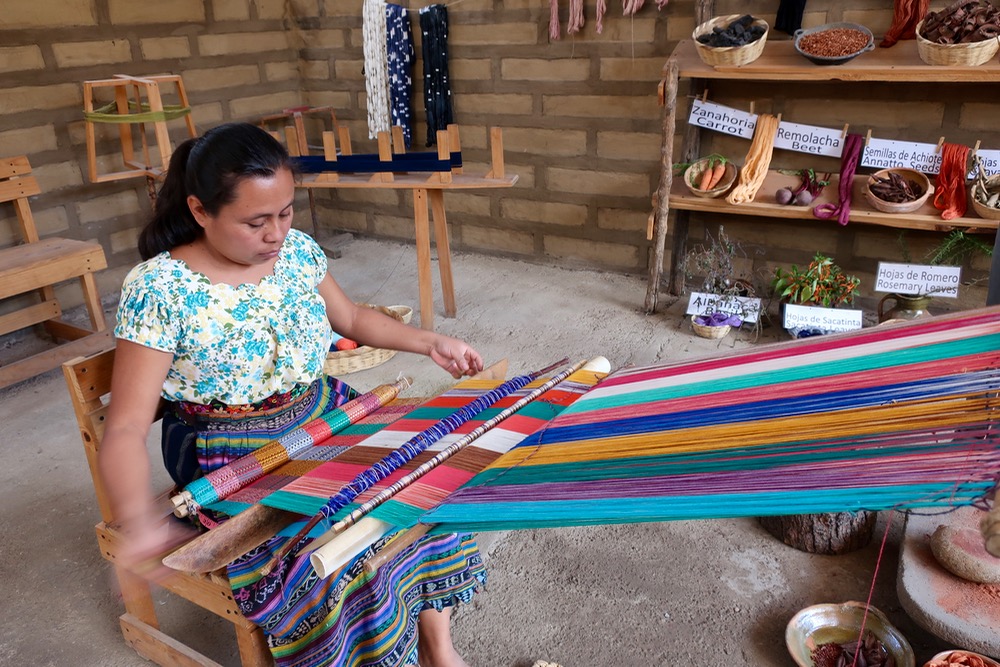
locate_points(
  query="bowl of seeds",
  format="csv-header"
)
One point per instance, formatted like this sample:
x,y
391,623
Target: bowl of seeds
x,y
897,190
834,43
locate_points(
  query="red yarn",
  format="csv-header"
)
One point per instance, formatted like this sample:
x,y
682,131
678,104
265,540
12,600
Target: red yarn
x,y
849,159
949,189
906,14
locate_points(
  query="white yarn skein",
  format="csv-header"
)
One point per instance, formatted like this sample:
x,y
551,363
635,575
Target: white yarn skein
x,y
376,67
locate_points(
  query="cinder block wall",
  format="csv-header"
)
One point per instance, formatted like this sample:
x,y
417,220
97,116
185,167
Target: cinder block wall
x,y
580,119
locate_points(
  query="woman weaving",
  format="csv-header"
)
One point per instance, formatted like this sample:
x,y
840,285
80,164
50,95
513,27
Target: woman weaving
x,y
229,318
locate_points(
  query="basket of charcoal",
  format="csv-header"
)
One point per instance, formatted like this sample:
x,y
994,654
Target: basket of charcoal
x,y
732,40
897,190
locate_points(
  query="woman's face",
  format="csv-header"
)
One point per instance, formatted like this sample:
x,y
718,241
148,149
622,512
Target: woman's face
x,y
250,229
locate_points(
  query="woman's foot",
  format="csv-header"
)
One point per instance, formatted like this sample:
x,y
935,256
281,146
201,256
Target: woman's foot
x,y
434,646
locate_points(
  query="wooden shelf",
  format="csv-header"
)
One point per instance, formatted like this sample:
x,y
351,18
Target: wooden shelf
x,y
925,218
780,62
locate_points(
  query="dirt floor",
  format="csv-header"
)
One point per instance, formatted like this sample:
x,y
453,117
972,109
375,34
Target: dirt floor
x,y
693,593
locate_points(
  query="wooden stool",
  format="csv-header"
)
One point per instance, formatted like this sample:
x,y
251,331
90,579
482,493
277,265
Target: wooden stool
x,y
137,101
88,380
36,266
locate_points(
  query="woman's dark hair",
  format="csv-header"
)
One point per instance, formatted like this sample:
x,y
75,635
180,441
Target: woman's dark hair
x,y
209,167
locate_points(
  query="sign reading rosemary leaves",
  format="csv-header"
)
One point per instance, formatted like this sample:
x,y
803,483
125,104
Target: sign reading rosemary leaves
x,y
919,279
744,307
823,319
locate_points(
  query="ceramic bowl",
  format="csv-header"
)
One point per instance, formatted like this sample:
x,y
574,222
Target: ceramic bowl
x,y
838,60
942,658
693,174
905,207
841,623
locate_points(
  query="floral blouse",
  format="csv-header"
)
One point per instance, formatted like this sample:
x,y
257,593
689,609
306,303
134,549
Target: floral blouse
x,y
234,345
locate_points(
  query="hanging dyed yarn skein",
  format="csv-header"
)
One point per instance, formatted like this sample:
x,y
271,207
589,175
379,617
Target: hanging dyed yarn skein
x,y
399,49
376,66
906,14
949,189
437,84
849,160
757,161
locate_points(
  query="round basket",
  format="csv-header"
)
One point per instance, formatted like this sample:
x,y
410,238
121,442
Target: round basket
x,y
728,55
710,332
903,207
981,209
969,54
693,175
343,362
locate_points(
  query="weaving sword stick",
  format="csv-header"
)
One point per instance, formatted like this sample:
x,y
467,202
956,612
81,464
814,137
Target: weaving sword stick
x,y
223,482
406,452
321,559
889,417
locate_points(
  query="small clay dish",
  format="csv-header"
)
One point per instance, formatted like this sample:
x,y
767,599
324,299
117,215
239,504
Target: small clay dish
x,y
966,657
841,623
693,174
913,175
836,60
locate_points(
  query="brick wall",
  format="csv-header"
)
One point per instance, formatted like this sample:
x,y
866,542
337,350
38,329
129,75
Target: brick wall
x,y
580,120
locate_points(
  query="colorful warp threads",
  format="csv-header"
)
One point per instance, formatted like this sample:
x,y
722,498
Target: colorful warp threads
x,y
399,49
850,158
949,189
223,482
897,417
437,83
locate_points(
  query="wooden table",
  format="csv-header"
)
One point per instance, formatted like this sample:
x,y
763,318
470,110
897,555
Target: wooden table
x,y
426,187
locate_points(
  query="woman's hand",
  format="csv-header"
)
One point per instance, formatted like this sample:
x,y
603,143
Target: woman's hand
x,y
455,356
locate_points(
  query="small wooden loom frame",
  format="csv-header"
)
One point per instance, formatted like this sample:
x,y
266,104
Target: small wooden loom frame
x,y
148,88
89,380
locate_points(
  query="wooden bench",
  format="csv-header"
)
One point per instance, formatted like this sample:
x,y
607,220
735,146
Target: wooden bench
x,y
36,266
89,382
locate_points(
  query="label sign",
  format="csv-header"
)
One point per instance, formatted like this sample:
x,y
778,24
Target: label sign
x,y
991,163
809,139
744,307
712,116
884,154
919,279
826,319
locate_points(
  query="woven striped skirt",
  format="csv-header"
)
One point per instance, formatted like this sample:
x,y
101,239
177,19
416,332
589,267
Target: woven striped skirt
x,y
353,618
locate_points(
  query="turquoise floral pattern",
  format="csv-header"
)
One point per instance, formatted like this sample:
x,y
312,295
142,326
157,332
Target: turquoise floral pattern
x,y
236,345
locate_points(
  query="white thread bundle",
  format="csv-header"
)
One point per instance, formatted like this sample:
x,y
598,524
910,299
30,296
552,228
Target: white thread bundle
x,y
376,66
757,161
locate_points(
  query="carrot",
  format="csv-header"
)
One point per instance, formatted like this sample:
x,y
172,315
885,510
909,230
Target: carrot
x,y
706,177
717,173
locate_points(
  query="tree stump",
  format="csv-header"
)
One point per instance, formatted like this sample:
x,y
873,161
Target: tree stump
x,y
829,534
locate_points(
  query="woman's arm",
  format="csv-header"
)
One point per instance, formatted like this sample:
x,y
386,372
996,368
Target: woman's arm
x,y
370,327
136,383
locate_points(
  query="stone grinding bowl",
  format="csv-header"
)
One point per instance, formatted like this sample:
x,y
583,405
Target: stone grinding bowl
x,y
841,623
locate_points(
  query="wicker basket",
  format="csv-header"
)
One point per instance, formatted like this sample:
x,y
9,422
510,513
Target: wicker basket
x,y
710,332
343,362
982,210
693,175
904,207
728,55
970,54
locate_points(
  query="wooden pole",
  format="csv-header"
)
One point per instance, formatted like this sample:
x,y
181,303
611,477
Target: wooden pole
x,y
671,77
